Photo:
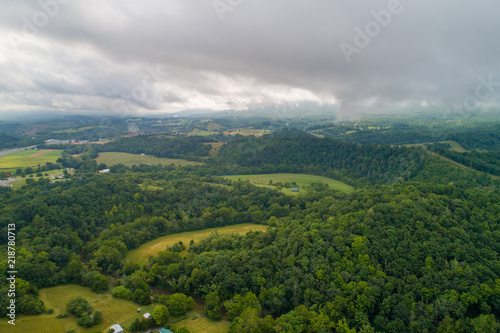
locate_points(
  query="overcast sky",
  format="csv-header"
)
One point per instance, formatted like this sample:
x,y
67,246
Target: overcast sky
x,y
161,56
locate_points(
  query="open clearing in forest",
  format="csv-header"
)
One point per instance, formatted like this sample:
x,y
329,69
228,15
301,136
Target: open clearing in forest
x,y
248,131
130,159
201,325
29,158
215,148
46,174
114,310
300,179
455,146
152,248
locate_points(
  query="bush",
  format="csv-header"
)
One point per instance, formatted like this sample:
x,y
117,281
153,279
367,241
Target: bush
x,y
79,307
85,320
141,297
122,292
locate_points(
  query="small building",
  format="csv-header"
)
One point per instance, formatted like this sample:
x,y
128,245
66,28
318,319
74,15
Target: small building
x,y
295,189
104,171
117,328
146,315
8,174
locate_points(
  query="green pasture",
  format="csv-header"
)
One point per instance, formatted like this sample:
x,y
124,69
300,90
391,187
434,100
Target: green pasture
x,y
20,183
130,159
300,179
29,158
152,248
114,310
198,324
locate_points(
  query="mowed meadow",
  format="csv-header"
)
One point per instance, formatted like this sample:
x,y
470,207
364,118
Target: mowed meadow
x,y
115,311
29,158
152,248
301,181
130,159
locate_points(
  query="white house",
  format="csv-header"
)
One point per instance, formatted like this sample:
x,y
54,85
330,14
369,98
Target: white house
x,y
117,328
147,315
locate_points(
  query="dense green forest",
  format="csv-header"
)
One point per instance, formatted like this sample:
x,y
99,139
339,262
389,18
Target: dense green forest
x,y
413,249
291,151
488,162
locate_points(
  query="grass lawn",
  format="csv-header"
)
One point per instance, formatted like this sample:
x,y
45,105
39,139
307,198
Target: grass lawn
x,y
301,180
114,310
27,158
152,248
202,325
130,159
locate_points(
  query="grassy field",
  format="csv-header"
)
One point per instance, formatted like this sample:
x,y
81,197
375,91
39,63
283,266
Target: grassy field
x,y
29,158
202,325
152,248
19,184
130,159
201,133
301,180
114,310
75,130
249,131
456,146
453,146
215,148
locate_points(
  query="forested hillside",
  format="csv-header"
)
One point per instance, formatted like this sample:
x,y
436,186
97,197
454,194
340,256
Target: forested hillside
x,y
413,249
290,151
161,146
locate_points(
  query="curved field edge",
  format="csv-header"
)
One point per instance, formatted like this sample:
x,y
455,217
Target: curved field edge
x,y
302,180
152,248
127,159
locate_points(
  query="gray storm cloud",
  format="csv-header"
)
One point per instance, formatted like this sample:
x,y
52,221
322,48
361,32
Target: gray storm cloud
x,y
162,56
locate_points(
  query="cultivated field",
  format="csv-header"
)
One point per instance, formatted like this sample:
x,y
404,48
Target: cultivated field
x,y
29,158
130,159
301,180
152,248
